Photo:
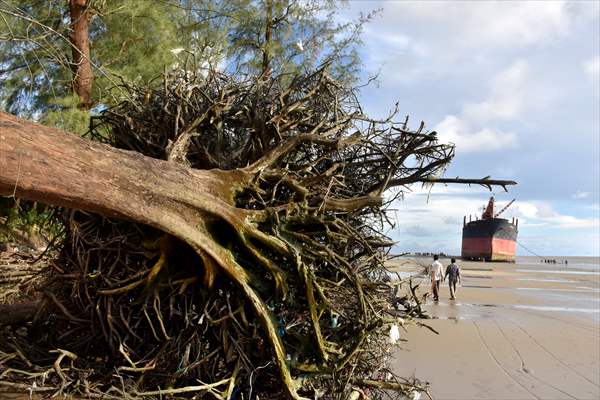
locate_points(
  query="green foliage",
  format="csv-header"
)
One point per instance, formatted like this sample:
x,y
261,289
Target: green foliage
x,y
28,222
34,57
304,34
129,41
66,115
133,41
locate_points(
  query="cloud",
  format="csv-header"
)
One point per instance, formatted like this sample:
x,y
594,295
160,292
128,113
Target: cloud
x,y
395,55
509,25
432,40
474,129
506,100
418,231
540,212
432,221
592,67
495,23
452,129
451,220
580,195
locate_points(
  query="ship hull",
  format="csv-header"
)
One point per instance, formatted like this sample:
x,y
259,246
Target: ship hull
x,y
492,239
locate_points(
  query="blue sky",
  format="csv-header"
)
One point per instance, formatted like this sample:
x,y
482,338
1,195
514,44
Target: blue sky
x,y
516,86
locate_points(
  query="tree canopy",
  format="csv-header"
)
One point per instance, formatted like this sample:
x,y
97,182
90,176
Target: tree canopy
x,y
128,41
131,42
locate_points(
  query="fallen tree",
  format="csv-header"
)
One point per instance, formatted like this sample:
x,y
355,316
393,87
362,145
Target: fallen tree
x,y
241,238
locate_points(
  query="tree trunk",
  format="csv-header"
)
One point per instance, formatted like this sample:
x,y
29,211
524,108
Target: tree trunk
x,y
81,65
54,167
266,62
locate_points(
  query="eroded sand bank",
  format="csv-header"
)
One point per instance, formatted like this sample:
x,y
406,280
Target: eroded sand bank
x,y
516,331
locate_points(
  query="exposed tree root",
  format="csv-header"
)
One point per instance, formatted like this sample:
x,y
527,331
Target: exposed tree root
x,y
264,205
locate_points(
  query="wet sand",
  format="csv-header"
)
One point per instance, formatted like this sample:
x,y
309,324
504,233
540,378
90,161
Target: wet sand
x,y
516,331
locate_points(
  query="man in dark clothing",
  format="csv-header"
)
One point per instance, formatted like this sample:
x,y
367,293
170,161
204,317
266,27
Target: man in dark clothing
x,y
453,275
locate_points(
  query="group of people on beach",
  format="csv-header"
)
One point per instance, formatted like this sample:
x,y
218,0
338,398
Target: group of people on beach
x,y
437,276
553,261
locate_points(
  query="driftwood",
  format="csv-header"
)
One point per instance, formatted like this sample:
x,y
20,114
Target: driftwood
x,y
273,191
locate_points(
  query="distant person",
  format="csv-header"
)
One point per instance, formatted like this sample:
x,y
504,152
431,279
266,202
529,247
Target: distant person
x,y
436,274
453,275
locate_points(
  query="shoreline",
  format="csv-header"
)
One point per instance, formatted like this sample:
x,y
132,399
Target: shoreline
x,y
516,331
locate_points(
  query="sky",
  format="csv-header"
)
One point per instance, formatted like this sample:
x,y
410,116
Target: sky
x,y
516,86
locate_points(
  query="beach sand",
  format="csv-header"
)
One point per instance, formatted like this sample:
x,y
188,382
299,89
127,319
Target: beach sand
x,y
528,330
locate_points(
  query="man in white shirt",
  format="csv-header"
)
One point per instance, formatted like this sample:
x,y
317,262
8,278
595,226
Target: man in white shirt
x,y
436,274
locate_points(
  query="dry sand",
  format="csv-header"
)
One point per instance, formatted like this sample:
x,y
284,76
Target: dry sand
x,y
516,331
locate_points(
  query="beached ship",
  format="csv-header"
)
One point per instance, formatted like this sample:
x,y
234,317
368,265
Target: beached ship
x,y
490,238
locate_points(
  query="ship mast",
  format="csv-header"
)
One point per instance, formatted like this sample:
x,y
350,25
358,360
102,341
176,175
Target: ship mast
x,y
489,210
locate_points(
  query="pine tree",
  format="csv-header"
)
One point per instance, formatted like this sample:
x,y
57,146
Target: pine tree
x,y
133,41
280,36
40,64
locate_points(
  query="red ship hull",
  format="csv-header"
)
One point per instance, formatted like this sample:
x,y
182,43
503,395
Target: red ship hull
x,y
492,239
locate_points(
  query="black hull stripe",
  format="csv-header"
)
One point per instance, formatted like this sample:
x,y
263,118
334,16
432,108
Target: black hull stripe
x,y
491,228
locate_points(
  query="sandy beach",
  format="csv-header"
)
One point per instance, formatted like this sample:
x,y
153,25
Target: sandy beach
x,y
527,330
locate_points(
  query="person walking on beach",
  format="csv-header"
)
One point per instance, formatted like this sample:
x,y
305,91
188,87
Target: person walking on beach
x,y
436,274
453,275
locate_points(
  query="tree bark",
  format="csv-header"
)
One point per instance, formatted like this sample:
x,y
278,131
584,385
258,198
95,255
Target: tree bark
x,y
266,61
81,65
54,167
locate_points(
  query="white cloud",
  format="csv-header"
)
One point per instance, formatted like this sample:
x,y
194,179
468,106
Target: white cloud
x,y
592,67
510,24
418,231
395,55
453,129
523,209
506,99
539,212
495,23
473,130
399,43
432,220
580,194
430,40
